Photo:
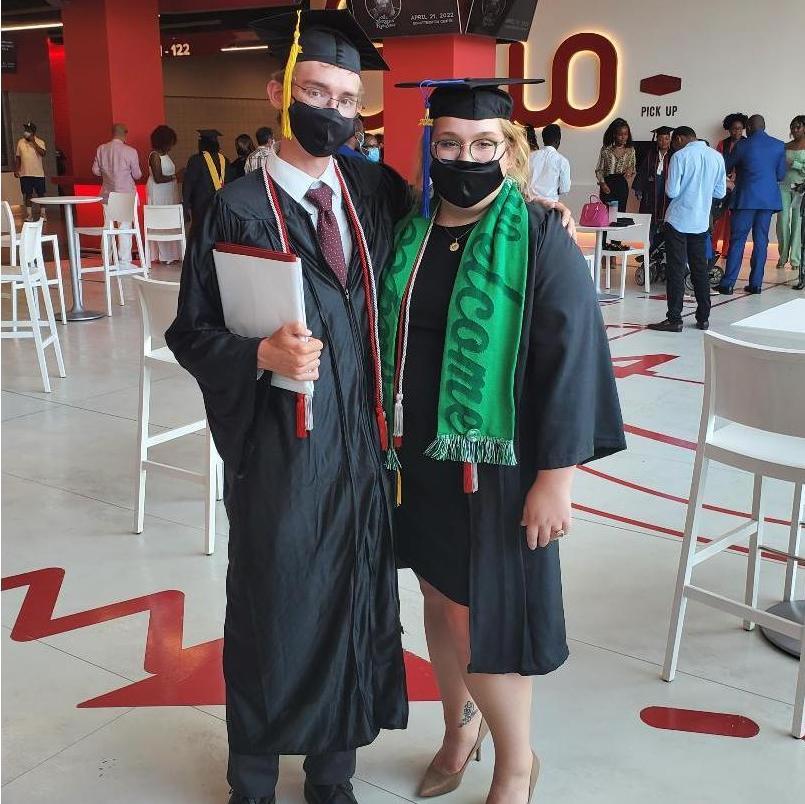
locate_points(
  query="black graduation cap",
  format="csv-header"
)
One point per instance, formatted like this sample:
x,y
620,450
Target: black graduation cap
x,y
468,98
331,37
209,133
29,126
662,130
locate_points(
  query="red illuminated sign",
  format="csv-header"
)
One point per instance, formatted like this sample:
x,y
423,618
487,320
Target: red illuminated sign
x,y
561,106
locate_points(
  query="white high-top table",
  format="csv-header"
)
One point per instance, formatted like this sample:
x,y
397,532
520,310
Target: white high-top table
x,y
599,248
77,311
783,325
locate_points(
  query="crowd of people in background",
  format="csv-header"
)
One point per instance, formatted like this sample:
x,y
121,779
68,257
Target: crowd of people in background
x,y
764,177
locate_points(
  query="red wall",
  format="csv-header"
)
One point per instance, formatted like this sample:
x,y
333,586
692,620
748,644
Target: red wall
x,y
33,71
113,74
58,88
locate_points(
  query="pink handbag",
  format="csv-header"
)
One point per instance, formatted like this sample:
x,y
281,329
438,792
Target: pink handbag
x,y
595,213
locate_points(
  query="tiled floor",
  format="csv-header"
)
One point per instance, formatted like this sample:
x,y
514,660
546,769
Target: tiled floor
x,y
68,473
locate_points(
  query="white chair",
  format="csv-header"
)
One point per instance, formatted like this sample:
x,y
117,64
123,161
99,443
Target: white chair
x,y
590,260
121,218
30,276
163,224
11,241
644,223
753,427
158,306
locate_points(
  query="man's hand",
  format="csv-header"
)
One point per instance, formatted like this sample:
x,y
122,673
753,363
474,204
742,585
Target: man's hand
x,y
291,352
567,215
547,506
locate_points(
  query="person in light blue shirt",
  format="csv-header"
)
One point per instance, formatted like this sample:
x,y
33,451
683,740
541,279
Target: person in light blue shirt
x,y
696,176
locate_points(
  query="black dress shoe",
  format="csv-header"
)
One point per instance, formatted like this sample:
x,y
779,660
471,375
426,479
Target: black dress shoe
x,y
725,291
702,325
237,798
666,326
329,793
752,289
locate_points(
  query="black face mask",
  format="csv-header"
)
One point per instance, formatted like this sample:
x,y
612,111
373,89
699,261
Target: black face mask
x,y
321,132
465,183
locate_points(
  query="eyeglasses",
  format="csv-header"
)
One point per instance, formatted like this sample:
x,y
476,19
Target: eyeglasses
x,y
482,150
346,105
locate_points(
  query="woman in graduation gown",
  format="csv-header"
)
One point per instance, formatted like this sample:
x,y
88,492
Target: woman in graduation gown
x,y
498,381
204,175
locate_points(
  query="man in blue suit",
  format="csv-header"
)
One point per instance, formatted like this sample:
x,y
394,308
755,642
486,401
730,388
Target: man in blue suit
x,y
760,163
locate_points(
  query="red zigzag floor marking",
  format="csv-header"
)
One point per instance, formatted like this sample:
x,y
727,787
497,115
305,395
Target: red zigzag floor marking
x,y
180,676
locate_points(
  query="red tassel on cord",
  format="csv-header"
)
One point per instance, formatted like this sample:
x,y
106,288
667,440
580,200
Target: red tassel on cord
x,y
470,478
397,442
301,418
382,426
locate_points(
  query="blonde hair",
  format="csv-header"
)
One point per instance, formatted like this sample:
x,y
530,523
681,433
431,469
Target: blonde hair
x,y
518,151
516,148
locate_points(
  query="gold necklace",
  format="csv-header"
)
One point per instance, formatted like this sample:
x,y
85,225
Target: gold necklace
x,y
456,244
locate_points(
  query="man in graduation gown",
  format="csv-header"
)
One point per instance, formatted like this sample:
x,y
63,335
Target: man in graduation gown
x,y
312,653
203,177
649,183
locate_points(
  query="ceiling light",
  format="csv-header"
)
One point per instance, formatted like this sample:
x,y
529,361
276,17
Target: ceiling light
x,y
243,47
32,26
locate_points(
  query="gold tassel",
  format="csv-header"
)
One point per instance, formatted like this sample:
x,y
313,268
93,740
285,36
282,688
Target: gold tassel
x,y
290,66
399,488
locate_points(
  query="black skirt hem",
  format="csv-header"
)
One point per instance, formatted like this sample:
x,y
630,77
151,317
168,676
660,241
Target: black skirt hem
x,y
437,586
538,670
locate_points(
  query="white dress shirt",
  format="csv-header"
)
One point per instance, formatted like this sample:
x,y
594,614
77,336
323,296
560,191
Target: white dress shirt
x,y
296,183
549,173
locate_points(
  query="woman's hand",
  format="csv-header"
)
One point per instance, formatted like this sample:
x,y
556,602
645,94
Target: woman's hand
x,y
547,506
604,188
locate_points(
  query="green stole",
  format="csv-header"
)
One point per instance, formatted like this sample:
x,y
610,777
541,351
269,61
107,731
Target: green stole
x,y
476,411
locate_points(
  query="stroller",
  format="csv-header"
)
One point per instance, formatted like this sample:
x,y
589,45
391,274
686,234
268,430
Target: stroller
x,y
657,265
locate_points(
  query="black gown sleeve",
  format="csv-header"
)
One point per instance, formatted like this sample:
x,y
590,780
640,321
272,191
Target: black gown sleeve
x,y
569,376
189,183
224,364
397,191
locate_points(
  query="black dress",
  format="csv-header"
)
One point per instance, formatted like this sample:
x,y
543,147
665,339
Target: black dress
x,y
472,547
437,549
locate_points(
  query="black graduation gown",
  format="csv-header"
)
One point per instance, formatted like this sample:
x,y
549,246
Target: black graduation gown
x,y
652,187
312,652
567,413
197,188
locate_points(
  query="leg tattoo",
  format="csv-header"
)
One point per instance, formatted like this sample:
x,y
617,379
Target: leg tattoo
x,y
470,711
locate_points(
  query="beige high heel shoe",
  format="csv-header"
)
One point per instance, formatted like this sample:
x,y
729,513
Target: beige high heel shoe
x,y
437,782
535,766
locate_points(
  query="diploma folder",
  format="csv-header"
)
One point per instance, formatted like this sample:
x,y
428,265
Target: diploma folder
x,y
261,291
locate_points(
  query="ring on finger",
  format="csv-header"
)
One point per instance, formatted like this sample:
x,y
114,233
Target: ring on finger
x,y
558,534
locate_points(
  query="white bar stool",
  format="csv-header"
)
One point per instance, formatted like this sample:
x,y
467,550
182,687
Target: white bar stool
x,y
644,221
11,241
30,276
121,218
164,224
751,426
158,302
